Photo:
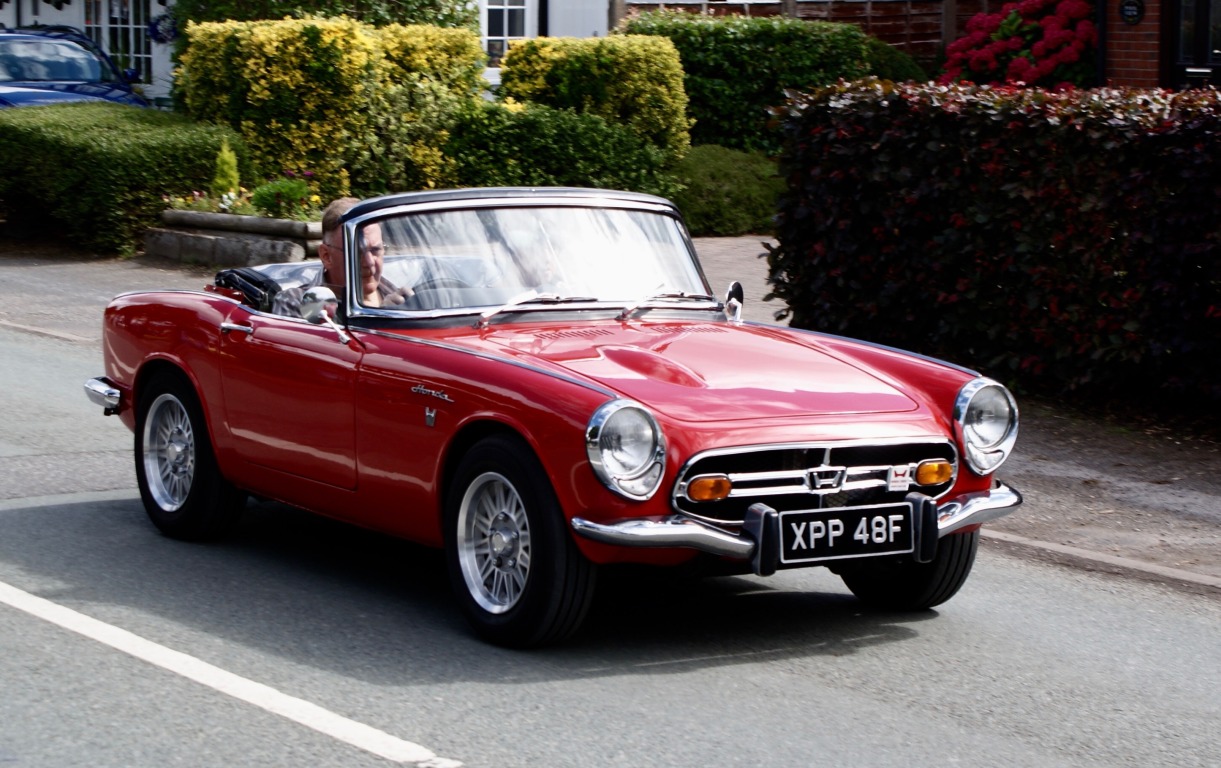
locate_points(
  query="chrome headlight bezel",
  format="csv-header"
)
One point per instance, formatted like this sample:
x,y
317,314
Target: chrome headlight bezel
x,y
976,415
609,423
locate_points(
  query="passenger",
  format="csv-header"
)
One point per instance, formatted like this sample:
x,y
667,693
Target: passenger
x,y
374,290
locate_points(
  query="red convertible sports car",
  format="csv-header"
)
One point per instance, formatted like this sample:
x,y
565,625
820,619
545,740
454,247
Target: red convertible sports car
x,y
542,383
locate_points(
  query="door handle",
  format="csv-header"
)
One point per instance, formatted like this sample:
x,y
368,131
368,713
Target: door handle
x,y
226,327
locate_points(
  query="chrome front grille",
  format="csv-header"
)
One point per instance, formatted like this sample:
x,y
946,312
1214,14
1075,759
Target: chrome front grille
x,y
809,476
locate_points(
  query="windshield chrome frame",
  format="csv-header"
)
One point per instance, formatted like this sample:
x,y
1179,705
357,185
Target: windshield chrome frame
x,y
355,311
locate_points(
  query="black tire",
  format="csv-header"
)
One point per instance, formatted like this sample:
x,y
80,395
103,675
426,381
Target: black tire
x,y
912,586
182,489
514,568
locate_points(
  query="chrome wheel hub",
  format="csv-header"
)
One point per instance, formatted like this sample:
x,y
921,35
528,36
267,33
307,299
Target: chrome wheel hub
x,y
169,452
494,542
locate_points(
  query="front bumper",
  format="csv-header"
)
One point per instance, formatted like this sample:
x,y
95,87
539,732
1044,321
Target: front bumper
x,y
759,535
101,391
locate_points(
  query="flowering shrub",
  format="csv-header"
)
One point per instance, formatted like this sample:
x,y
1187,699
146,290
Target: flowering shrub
x,y
1032,42
286,198
227,202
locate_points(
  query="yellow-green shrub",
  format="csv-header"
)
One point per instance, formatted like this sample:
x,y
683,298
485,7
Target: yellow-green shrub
x,y
452,57
333,96
632,80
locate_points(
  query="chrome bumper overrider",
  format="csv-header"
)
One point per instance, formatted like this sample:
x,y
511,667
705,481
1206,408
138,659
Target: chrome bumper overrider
x,y
679,531
101,392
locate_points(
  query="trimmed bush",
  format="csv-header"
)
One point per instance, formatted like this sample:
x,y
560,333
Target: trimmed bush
x,y
1064,240
443,13
727,191
495,145
738,67
428,77
97,173
634,80
887,62
334,97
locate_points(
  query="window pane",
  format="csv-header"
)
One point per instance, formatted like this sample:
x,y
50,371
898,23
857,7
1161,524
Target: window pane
x,y
1214,37
1187,27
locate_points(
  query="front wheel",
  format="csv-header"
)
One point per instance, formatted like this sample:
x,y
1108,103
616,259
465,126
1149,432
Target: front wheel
x,y
512,563
180,484
912,586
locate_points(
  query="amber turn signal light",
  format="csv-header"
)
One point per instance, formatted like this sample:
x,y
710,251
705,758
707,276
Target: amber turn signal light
x,y
934,472
709,488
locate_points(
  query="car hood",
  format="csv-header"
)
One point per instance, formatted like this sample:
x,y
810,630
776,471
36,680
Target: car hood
x,y
23,96
38,94
697,371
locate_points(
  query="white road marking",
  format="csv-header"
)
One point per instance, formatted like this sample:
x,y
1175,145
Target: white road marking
x,y
300,711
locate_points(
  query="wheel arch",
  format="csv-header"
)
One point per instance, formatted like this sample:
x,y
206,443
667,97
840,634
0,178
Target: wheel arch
x,y
156,366
463,440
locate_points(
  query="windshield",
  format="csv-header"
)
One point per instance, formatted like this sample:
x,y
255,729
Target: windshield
x,y
487,257
49,60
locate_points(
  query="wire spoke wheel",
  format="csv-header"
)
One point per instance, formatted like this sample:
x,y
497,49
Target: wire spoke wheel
x,y
181,485
494,542
515,570
169,452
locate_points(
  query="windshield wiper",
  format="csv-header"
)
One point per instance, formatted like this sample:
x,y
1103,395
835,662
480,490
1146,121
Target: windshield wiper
x,y
647,302
524,299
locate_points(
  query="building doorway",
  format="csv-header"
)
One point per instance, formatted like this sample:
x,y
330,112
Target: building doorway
x,y
1196,43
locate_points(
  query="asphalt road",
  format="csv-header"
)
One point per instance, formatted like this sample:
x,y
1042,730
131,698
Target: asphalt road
x,y
302,641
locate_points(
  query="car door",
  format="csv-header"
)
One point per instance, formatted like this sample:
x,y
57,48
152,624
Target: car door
x,y
289,388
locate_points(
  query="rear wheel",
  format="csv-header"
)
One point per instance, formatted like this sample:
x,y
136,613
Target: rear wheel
x,y
912,586
182,489
512,563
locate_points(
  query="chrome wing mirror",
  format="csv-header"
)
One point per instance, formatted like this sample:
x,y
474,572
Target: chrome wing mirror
x,y
318,306
733,302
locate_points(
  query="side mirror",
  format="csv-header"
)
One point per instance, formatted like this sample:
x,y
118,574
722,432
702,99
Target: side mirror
x,y
733,302
318,306
131,76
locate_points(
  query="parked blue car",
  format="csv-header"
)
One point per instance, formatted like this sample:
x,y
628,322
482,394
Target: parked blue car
x,y
51,65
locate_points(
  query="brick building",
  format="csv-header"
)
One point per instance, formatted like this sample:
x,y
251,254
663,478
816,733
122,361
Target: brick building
x,y
1143,43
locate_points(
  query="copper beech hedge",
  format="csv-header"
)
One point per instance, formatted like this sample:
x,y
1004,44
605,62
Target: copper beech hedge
x,y
1066,241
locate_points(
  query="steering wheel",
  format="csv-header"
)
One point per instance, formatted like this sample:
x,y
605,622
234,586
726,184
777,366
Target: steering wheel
x,y
436,283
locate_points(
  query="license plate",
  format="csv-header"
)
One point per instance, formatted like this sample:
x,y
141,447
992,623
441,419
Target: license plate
x,y
813,535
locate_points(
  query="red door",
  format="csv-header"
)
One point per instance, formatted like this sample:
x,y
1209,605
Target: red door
x,y
289,389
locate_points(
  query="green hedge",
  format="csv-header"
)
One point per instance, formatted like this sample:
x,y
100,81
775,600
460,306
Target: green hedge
x,y
727,192
533,145
1063,240
737,67
635,81
887,62
96,173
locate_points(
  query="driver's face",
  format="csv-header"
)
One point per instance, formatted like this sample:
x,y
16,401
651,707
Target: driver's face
x,y
372,256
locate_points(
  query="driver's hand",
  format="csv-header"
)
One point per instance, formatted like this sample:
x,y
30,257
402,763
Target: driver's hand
x,y
399,296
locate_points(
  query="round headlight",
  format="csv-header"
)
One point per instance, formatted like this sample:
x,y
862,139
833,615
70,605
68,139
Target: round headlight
x,y
987,418
626,449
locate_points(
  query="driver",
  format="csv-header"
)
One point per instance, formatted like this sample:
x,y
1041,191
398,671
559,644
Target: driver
x,y
374,290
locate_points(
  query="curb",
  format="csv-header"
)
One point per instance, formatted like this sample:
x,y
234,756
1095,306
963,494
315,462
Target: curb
x,y
1160,571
